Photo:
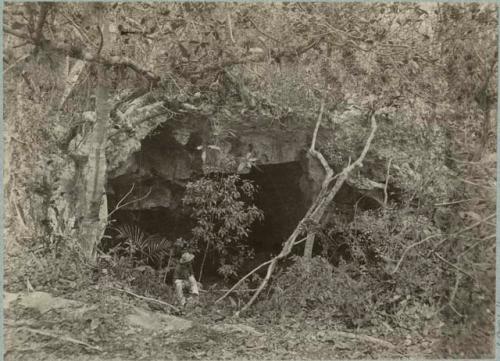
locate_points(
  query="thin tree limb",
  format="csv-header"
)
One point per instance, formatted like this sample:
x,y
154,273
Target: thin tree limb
x,y
409,248
477,243
125,196
452,265
318,123
251,273
316,211
455,202
132,201
230,27
147,298
387,182
60,337
84,54
262,32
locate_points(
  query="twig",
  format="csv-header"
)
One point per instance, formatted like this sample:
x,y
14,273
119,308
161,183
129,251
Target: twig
x,y
318,155
474,184
147,298
474,225
230,28
132,201
318,123
466,229
387,182
22,58
455,202
244,278
17,140
245,290
126,195
262,32
477,243
452,265
101,41
251,273
410,247
60,337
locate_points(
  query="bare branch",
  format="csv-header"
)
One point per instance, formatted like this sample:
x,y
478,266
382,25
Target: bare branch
x,y
230,28
128,203
60,337
315,134
83,54
409,248
262,32
101,41
251,273
147,298
452,265
316,211
387,182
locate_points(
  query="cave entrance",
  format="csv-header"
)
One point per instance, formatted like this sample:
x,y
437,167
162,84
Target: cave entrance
x,y
280,197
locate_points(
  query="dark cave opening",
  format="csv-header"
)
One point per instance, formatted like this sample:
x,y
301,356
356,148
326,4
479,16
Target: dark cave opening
x,y
281,199
281,193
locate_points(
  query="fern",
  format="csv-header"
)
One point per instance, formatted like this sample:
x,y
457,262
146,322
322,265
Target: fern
x,y
152,247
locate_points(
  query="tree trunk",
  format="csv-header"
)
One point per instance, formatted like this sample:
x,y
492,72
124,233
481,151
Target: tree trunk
x,y
93,200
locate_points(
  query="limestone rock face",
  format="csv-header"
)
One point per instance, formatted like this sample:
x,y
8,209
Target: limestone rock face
x,y
163,165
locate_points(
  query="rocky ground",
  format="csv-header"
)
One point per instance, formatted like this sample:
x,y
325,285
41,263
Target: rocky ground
x,y
102,322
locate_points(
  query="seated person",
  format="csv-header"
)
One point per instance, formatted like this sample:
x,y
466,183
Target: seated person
x,y
184,278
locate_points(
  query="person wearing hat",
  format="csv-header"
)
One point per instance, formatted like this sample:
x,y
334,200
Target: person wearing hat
x,y
184,277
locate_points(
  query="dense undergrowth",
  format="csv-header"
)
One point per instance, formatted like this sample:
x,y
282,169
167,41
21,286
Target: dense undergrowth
x,y
420,262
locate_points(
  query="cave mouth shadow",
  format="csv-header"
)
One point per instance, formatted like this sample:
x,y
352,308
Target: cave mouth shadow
x,y
278,194
281,193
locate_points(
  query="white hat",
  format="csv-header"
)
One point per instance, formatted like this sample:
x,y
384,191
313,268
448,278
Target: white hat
x,y
186,257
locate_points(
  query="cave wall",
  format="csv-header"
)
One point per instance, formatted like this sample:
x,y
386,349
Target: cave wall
x,y
287,176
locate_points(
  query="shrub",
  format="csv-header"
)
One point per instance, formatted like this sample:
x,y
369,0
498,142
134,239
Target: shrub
x,y
223,219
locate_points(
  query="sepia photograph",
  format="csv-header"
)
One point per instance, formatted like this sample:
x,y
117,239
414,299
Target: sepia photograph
x,y
249,181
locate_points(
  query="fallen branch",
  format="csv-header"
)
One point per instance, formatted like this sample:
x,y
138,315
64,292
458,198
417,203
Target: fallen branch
x,y
60,337
362,338
147,299
251,273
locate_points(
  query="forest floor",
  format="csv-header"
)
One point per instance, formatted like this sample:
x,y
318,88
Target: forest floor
x,y
52,314
101,322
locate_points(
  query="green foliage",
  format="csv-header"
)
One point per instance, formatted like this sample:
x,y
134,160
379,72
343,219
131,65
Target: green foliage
x,y
224,213
138,245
